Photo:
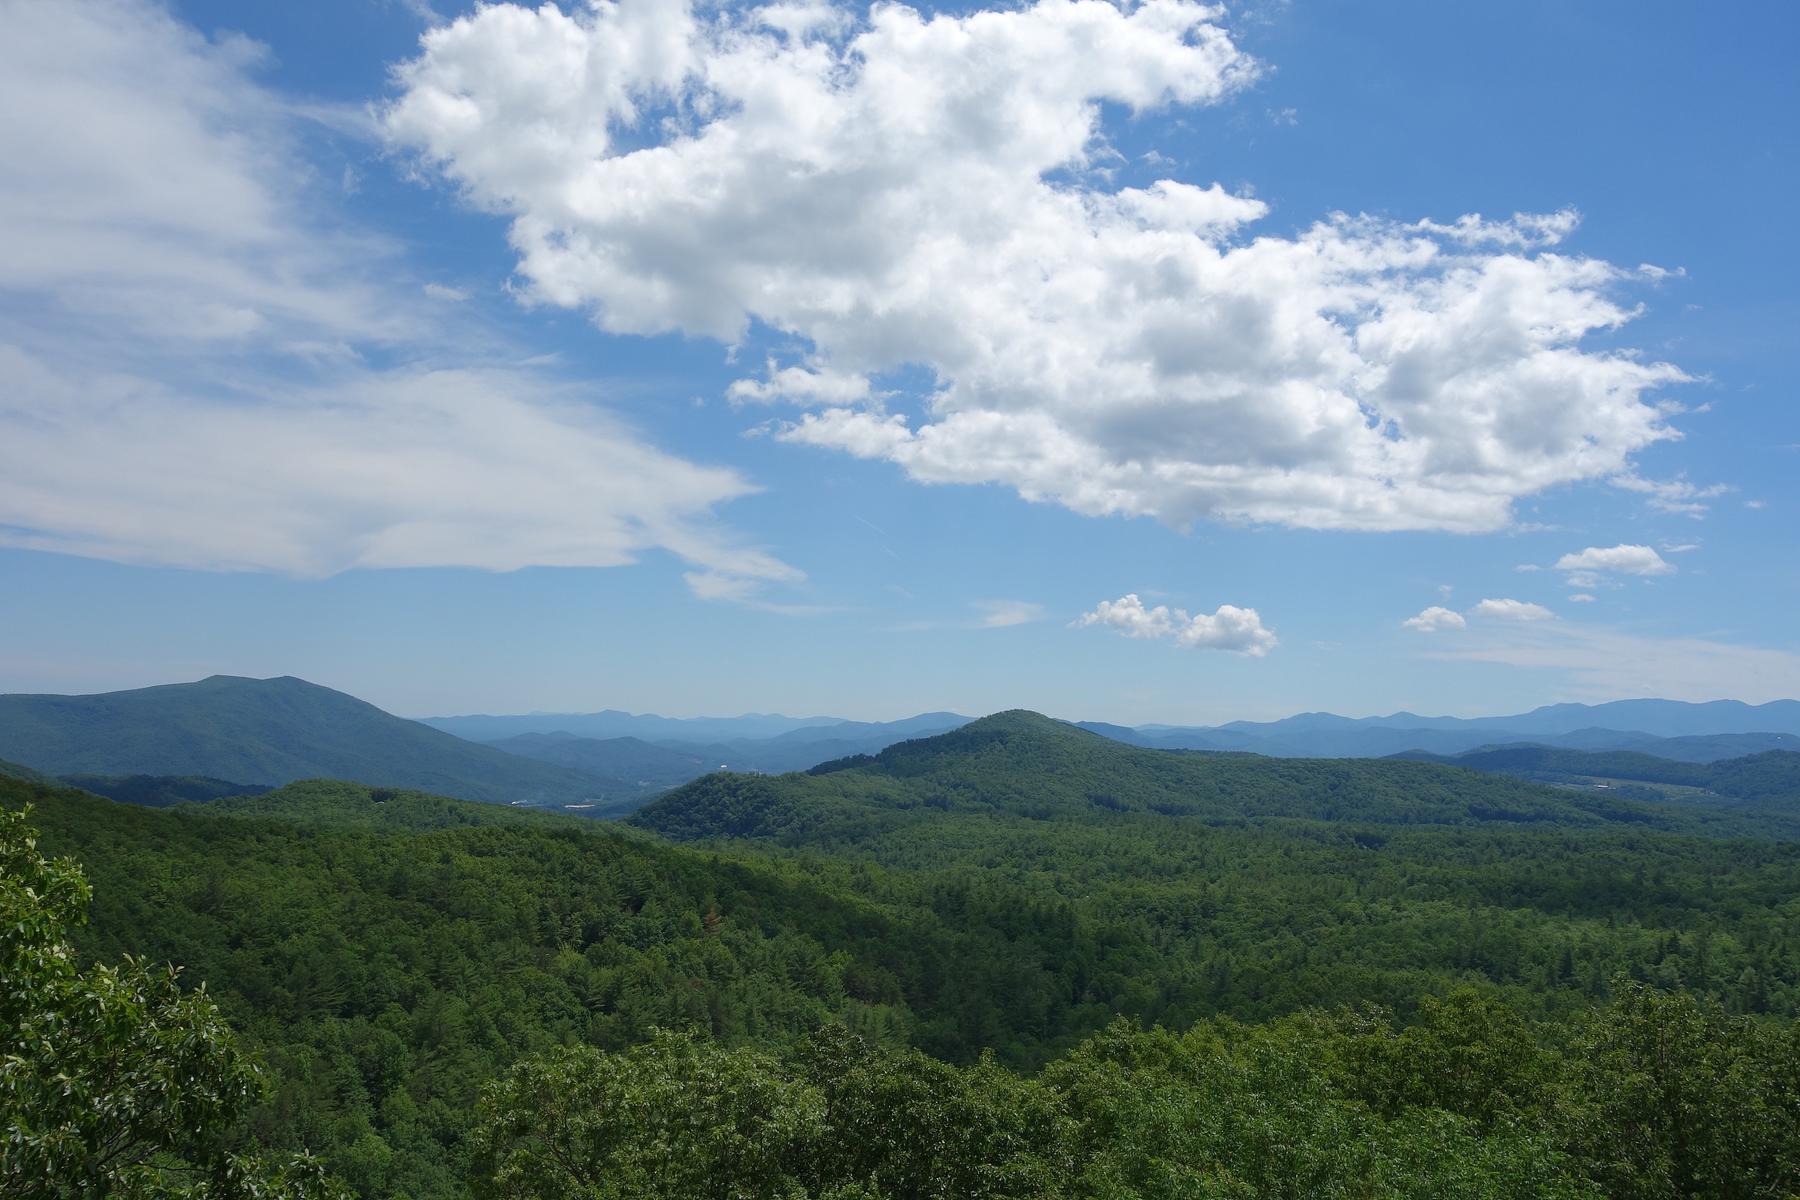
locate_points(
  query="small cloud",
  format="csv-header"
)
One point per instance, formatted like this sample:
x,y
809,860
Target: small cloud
x,y
1436,619
1756,504
717,585
421,10
1528,567
440,291
1673,495
1284,116
1512,610
1679,547
748,592
998,614
801,385
1622,559
1238,630
1582,598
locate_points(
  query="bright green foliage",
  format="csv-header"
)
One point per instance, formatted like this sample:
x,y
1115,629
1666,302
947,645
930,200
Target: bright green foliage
x,y
1483,1109
1675,1098
113,1082
390,953
841,1118
674,1117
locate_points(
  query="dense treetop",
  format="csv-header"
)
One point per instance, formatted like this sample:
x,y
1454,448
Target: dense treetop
x,y
972,914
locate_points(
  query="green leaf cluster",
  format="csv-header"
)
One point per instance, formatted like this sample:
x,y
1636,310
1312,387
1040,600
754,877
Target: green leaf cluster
x,y
113,1080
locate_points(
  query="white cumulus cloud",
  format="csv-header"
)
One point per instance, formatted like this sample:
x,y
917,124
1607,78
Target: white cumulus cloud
x,y
1239,630
1512,610
1435,619
1621,559
890,189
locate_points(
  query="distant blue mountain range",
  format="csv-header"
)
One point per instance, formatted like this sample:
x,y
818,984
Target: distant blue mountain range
x,y
271,731
1667,728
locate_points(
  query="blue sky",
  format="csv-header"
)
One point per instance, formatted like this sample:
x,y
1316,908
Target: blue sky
x,y
804,360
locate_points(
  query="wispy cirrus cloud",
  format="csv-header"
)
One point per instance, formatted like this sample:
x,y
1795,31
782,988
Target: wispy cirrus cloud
x,y
1599,663
999,614
1672,495
243,378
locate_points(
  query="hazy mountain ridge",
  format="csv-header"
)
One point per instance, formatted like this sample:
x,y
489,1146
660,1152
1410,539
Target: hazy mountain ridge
x,y
272,731
1022,764
1667,728
670,762
1773,775
612,723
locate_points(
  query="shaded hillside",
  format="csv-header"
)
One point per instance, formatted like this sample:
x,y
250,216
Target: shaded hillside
x,y
272,731
161,791
1772,775
13,770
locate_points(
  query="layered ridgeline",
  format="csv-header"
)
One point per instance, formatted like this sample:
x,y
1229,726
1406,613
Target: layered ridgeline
x,y
763,742
1665,728
653,757
1770,777
1015,886
1023,765
275,731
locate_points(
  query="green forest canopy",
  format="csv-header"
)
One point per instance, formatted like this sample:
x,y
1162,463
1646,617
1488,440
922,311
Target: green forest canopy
x,y
1010,889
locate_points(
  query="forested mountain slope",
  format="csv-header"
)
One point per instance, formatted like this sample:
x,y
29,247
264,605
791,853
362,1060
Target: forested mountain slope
x,y
1026,765
391,953
273,731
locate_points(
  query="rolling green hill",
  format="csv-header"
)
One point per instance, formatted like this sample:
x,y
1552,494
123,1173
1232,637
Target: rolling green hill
x,y
393,954
273,731
1025,765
